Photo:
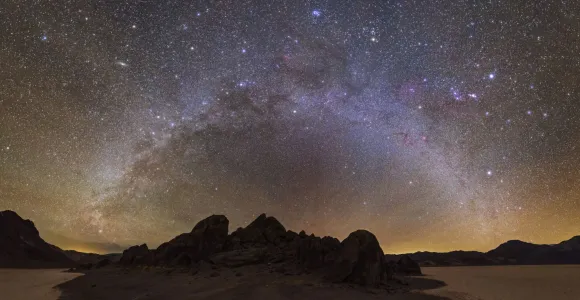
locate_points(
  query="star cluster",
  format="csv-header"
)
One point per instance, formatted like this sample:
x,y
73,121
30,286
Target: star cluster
x,y
439,126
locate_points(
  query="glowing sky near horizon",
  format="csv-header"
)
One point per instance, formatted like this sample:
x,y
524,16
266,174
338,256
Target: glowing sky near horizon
x,y
435,126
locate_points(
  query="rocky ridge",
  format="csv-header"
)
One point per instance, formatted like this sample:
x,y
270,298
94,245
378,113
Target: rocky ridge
x,y
512,252
358,259
22,247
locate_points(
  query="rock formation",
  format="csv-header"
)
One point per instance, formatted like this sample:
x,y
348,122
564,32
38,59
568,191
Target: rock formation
x,y
407,266
358,259
134,255
207,237
22,246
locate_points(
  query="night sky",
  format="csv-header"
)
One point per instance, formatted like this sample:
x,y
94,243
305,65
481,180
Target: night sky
x,y
437,125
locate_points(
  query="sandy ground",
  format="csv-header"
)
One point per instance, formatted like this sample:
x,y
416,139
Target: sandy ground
x,y
115,283
26,284
507,282
463,283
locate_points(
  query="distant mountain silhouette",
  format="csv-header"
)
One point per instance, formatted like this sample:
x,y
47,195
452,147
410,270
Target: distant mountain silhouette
x,y
22,247
90,258
512,252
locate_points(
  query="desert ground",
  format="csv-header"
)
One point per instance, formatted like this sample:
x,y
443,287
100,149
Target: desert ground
x,y
560,282
251,282
463,283
26,284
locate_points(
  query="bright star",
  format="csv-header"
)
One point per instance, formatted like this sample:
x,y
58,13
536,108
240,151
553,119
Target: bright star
x,y
491,76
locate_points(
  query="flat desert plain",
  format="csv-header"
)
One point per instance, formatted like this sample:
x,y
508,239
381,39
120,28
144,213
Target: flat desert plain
x,y
507,282
27,284
463,283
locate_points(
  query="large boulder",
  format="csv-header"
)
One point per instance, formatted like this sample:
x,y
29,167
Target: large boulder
x,y
207,237
360,260
139,254
407,266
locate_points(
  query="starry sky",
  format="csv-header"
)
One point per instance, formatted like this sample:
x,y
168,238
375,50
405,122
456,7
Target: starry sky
x,y
437,125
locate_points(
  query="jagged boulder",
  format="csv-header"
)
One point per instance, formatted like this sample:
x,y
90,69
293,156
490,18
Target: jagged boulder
x,y
261,232
215,226
207,237
407,266
360,260
313,252
139,254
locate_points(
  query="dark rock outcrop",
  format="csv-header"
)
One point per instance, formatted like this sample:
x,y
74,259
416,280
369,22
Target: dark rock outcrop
x,y
314,252
262,231
102,263
360,260
240,257
407,266
22,247
139,254
207,237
